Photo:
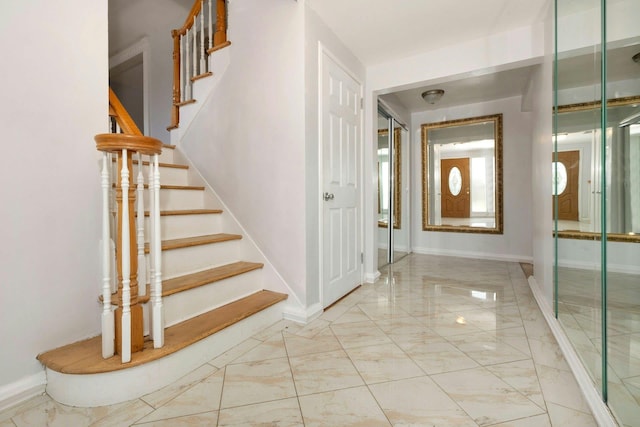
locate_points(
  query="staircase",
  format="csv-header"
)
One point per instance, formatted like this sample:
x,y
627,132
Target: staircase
x,y
213,299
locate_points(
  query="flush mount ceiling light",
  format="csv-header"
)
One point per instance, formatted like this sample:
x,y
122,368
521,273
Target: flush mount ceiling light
x,y
432,96
636,58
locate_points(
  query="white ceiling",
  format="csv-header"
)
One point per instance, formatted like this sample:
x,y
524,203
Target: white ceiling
x,y
377,31
504,84
380,30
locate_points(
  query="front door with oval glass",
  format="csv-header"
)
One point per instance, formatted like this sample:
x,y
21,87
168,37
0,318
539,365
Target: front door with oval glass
x,y
567,177
454,180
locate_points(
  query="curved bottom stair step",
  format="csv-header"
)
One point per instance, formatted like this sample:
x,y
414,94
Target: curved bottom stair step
x,y
85,357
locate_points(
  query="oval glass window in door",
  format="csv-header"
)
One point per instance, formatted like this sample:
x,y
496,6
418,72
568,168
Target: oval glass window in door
x,y
559,172
455,181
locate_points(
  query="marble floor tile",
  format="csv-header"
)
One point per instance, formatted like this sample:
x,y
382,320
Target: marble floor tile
x,y
522,376
34,402
324,341
359,334
348,407
548,354
381,311
202,397
385,362
535,421
320,372
165,394
436,341
438,357
127,415
54,414
562,416
485,397
419,402
237,351
277,328
281,413
206,419
353,314
560,387
271,348
486,348
255,382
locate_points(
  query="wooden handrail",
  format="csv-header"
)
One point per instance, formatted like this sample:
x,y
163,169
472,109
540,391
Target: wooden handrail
x,y
121,115
217,41
188,23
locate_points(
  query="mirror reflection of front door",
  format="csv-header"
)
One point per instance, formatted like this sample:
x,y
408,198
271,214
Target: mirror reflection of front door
x,y
567,185
455,195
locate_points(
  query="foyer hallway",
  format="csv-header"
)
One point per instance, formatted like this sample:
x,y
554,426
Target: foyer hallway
x,y
437,341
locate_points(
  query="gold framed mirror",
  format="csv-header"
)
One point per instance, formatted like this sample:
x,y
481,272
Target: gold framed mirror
x,y
462,175
383,178
577,179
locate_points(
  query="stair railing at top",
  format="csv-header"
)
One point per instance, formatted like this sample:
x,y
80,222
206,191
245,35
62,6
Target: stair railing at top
x,y
192,43
122,328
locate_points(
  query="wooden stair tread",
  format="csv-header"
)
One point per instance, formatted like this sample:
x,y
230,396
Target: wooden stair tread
x,y
169,146
186,242
85,357
194,280
187,102
172,187
188,212
201,76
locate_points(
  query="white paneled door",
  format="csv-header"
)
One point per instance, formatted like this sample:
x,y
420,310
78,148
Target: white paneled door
x,y
340,99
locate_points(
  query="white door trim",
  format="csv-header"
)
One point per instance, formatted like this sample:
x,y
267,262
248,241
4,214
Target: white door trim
x,y
141,47
323,50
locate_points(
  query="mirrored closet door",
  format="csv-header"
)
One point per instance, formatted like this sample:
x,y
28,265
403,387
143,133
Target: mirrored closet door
x,y
393,235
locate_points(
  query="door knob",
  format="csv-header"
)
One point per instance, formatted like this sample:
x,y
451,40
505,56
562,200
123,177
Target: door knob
x,y
327,196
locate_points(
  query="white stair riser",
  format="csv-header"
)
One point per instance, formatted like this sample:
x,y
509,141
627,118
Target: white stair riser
x,y
168,176
178,199
178,262
127,384
166,156
178,226
185,305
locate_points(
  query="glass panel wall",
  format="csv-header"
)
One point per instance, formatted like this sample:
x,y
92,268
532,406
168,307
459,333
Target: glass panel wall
x,y
596,191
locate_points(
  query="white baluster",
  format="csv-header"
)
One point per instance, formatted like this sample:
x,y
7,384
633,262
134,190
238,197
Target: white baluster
x,y
108,325
183,94
210,25
142,268
126,263
195,47
187,77
158,308
113,208
152,240
203,68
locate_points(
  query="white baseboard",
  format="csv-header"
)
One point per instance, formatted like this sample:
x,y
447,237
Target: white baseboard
x,y
371,277
295,314
476,255
598,408
17,392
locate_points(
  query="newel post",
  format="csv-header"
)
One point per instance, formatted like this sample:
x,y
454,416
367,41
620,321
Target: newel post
x,y
175,109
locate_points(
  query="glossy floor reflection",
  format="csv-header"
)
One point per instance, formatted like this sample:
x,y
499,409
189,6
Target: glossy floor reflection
x,y
579,311
438,341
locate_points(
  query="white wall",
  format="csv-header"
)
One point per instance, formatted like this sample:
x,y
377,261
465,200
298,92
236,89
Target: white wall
x,y
129,22
54,101
515,243
315,32
248,139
